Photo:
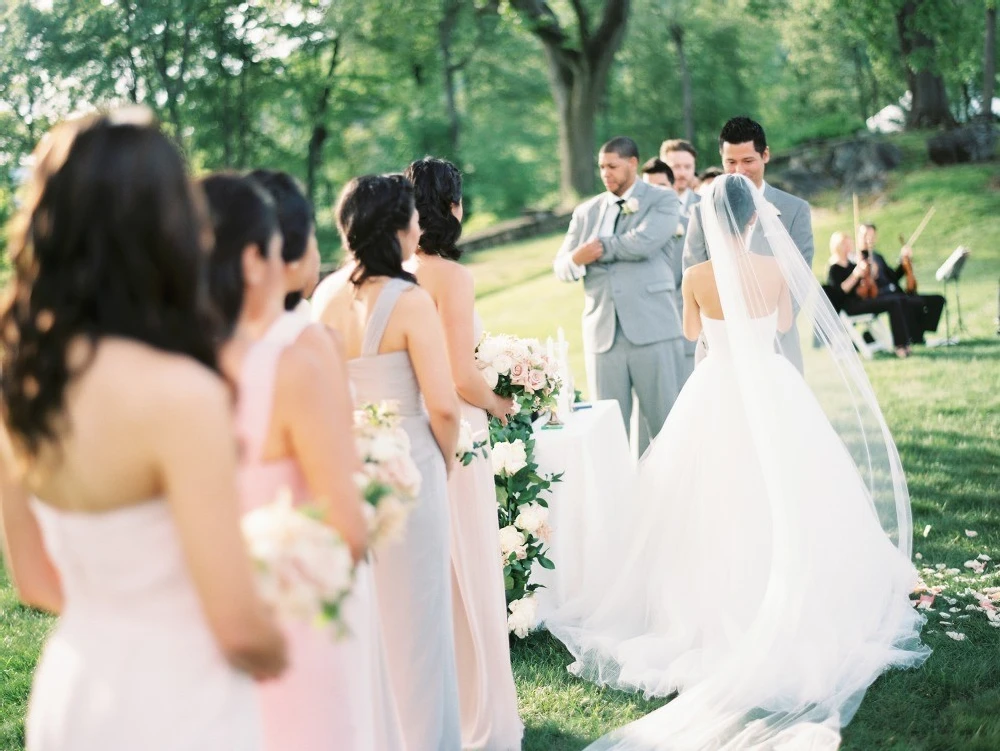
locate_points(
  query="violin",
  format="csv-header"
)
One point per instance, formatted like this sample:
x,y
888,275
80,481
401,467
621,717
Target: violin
x,y
907,265
867,288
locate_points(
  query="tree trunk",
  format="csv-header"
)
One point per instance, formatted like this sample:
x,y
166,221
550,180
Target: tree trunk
x,y
989,63
446,27
319,132
578,75
677,32
930,99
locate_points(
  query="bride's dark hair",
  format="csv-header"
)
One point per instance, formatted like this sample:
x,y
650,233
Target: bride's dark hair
x,y
109,242
437,185
371,210
740,201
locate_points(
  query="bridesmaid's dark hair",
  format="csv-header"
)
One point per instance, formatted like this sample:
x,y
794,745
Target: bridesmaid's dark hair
x,y
242,214
295,216
371,210
110,241
437,185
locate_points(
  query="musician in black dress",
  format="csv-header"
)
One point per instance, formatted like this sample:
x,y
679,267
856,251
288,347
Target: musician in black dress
x,y
844,277
923,312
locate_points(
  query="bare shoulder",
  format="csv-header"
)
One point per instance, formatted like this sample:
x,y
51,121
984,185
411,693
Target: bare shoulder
x,y
301,368
159,383
698,270
416,301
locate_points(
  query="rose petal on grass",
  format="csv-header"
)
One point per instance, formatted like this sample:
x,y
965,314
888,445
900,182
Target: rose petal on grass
x,y
927,530
971,533
956,635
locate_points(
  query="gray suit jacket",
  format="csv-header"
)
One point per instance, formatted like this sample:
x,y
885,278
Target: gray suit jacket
x,y
633,283
675,257
794,214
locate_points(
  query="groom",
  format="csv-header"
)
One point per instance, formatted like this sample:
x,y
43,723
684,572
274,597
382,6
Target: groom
x,y
744,151
618,244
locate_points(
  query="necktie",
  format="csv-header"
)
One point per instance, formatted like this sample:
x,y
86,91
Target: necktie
x,y
619,203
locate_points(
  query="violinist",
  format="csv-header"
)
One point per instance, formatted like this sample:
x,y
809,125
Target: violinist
x,y
923,312
847,278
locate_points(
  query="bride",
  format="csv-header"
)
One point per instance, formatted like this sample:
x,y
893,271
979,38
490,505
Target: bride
x,y
765,549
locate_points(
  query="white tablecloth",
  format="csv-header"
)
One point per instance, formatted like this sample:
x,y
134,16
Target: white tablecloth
x,y
592,451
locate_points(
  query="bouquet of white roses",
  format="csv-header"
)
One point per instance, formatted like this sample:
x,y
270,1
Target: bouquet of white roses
x,y
389,480
468,448
519,368
304,568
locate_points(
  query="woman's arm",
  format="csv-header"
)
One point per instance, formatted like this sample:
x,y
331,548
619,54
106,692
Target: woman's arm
x,y
198,473
31,569
692,311
455,301
429,355
313,405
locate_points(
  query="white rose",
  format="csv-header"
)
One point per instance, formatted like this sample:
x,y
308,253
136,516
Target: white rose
x,y
383,447
491,377
510,540
502,363
509,458
465,442
531,518
632,205
523,616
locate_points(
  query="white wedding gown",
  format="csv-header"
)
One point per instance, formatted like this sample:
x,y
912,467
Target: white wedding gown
x,y
754,574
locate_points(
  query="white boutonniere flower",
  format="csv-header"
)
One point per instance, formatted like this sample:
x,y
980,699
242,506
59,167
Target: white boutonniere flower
x,y
630,206
679,232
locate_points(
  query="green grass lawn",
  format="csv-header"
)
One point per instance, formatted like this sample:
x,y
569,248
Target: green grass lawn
x,y
943,406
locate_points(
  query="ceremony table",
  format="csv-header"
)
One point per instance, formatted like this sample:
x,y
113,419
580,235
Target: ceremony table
x,y
592,451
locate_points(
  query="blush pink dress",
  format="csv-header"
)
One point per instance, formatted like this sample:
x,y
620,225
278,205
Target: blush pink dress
x,y
132,662
335,694
488,698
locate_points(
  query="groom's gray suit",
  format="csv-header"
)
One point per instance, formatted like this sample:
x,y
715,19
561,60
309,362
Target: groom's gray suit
x,y
631,326
795,215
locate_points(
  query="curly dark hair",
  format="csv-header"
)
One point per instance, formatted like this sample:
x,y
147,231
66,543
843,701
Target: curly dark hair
x,y
110,241
371,210
243,214
437,185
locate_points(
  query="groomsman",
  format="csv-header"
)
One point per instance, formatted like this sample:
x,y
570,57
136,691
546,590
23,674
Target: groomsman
x,y
681,157
744,151
631,326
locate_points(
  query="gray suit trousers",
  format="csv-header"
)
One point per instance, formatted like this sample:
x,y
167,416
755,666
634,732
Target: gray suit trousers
x,y
651,370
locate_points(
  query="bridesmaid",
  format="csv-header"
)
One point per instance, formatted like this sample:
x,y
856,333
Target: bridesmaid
x,y
479,608
393,336
299,247
294,421
117,422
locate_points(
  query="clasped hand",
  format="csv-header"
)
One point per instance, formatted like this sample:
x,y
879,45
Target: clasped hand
x,y
588,253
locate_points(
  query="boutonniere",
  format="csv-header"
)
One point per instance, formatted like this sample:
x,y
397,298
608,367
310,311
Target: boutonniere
x,y
679,232
630,206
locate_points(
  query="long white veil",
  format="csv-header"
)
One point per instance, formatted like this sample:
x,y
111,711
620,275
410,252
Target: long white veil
x,y
773,689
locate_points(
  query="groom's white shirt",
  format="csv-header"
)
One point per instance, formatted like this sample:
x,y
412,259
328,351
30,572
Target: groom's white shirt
x,y
607,228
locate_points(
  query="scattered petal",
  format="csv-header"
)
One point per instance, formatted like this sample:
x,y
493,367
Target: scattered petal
x,y
919,557
971,533
956,635
927,530
980,557
940,566
925,602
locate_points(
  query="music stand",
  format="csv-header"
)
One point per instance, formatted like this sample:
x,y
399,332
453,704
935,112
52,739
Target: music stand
x,y
950,272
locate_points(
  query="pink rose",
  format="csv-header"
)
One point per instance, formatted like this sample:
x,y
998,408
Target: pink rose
x,y
536,379
517,373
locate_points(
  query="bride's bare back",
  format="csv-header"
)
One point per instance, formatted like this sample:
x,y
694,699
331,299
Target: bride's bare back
x,y
763,288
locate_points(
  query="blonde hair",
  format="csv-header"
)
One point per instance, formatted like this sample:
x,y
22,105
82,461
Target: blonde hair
x,y
835,240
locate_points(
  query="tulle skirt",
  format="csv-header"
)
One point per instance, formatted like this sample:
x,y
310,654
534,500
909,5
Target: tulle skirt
x,y
755,579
